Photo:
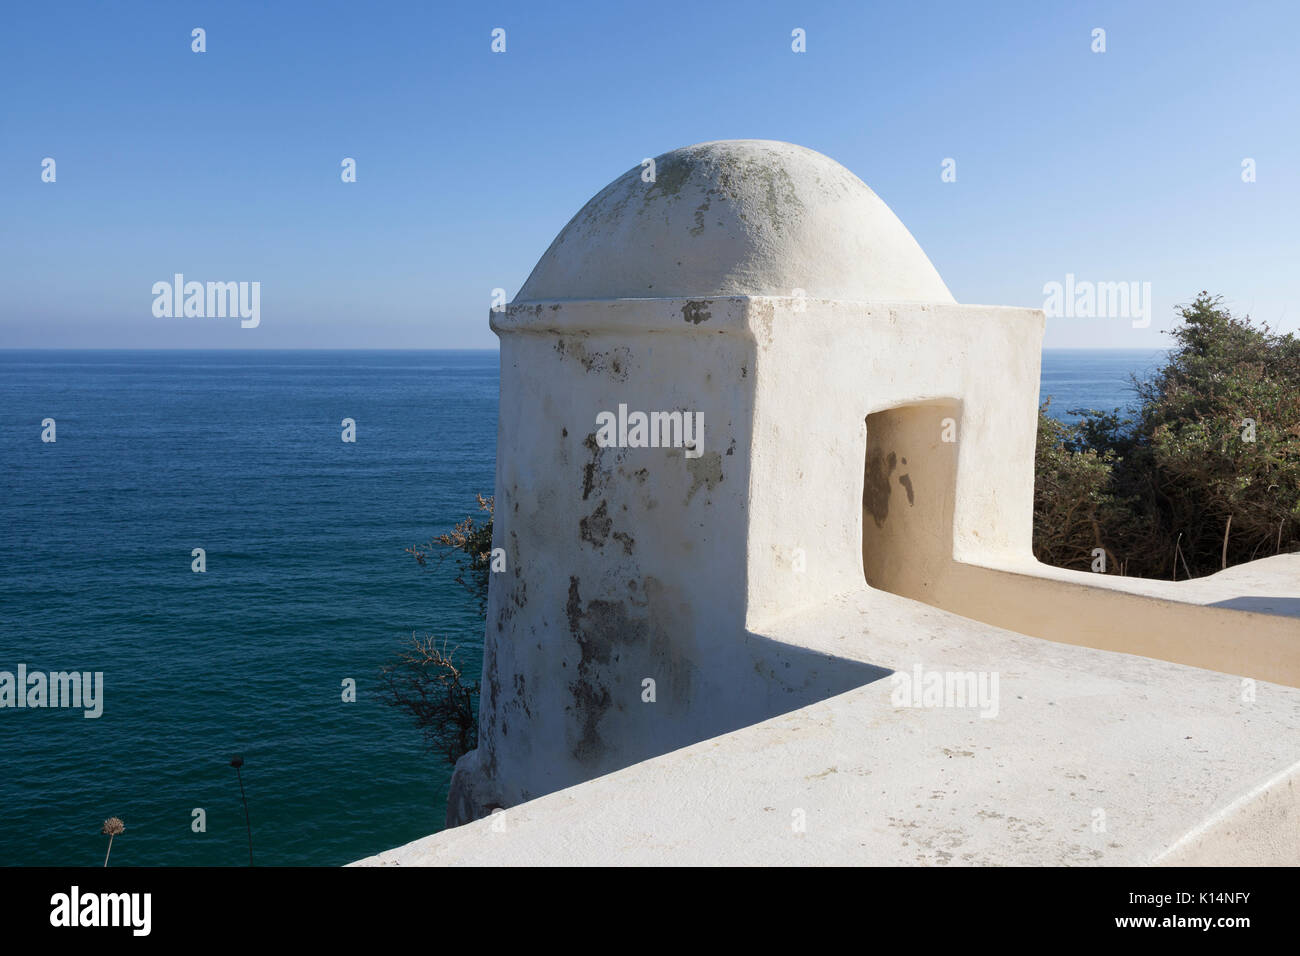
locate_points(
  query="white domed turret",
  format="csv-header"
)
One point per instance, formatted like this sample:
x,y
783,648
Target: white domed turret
x,y
736,217
763,294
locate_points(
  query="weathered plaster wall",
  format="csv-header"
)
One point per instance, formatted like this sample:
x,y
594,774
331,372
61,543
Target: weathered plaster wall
x,y
622,563
601,545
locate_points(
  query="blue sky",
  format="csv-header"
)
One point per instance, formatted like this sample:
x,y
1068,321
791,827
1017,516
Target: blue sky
x,y
225,165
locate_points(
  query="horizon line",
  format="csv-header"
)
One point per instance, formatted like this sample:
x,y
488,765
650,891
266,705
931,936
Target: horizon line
x,y
344,348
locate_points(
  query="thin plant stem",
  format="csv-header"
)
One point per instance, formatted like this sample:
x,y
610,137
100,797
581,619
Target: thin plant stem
x,y
247,824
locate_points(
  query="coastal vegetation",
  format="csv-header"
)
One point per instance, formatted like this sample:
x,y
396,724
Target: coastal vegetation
x,y
1203,475
424,679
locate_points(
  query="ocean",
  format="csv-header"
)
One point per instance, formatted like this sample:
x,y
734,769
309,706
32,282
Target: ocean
x,y
307,586
1094,378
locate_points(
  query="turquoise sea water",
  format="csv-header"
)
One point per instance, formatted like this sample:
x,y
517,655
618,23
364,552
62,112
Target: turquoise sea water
x,y
307,584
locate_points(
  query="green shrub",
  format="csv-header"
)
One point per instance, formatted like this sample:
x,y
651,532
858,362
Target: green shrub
x,y
1206,475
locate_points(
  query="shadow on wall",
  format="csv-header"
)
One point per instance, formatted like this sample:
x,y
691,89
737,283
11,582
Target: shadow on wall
x,y
784,677
754,680
1262,604
758,679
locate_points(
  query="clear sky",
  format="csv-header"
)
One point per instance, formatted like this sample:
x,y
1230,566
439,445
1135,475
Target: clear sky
x,y
225,165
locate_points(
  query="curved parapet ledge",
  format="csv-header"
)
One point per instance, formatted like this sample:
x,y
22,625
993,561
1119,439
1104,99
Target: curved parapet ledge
x,y
1244,621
